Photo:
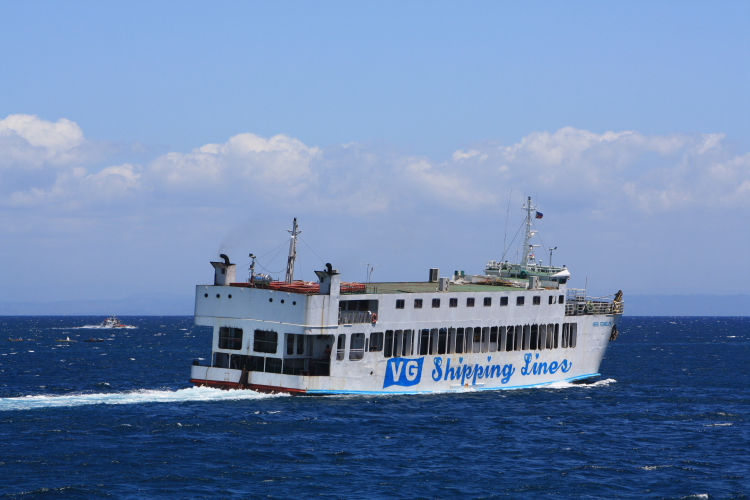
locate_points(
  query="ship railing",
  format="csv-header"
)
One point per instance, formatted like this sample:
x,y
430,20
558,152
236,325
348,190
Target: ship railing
x,y
354,317
356,354
578,304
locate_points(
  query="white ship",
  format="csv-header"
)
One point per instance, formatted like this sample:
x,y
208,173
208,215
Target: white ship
x,y
517,325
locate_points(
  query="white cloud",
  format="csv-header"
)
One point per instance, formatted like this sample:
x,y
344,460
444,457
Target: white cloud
x,y
30,142
571,168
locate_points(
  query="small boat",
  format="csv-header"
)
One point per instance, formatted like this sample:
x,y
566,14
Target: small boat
x,y
15,340
113,322
66,339
92,339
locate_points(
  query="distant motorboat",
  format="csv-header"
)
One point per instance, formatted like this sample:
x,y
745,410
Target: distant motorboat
x,y
15,340
92,339
66,339
112,322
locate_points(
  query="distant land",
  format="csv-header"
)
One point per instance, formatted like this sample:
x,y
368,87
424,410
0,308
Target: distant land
x,y
157,304
146,304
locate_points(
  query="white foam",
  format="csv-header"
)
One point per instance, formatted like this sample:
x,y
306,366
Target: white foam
x,y
568,385
133,397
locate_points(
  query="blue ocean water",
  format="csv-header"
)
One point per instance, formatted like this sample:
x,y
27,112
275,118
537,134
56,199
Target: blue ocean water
x,y
669,418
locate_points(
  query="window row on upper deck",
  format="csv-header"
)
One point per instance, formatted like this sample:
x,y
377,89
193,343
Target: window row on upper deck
x,y
487,301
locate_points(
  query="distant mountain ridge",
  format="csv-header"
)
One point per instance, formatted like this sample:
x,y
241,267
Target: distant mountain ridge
x,y
146,304
158,304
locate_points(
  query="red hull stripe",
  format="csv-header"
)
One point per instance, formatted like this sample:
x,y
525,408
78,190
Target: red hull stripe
x,y
255,387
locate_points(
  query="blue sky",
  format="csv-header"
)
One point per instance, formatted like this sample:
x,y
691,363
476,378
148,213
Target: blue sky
x,y
139,139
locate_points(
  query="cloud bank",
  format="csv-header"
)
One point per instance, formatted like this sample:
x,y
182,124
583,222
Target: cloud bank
x,y
571,168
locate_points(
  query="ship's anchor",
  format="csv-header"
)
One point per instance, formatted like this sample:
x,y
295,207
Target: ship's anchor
x,y
614,334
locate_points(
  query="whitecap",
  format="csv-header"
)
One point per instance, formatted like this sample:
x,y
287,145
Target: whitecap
x,y
567,385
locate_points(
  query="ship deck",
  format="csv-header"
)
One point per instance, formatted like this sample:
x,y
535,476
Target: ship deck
x,y
426,287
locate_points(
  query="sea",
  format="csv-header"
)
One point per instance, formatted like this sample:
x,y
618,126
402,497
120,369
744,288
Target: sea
x,y
669,418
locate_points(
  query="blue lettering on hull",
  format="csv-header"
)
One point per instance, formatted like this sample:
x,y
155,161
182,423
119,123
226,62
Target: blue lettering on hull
x,y
408,372
403,371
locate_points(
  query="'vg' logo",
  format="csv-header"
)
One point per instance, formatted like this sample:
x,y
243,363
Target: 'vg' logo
x,y
403,371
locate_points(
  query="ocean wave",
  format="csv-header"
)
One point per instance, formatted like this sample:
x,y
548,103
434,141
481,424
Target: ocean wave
x,y
127,398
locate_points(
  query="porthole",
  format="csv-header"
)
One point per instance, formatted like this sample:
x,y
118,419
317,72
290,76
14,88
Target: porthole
x,y
217,295
294,303
270,300
282,301
230,295
205,295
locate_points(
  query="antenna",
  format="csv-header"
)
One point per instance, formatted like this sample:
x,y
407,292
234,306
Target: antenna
x,y
368,270
292,251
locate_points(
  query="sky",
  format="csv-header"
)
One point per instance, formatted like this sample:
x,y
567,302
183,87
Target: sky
x,y
138,140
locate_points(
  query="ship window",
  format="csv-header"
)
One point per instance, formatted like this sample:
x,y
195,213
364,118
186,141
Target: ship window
x,y
542,337
459,341
551,299
398,339
493,339
519,300
561,299
388,345
550,336
526,337
255,364
569,335
435,302
357,347
503,301
295,344
453,303
273,365
221,360
424,342
487,301
236,361
442,341
451,348
485,339
501,339
537,300
230,338
408,347
399,303
376,341
341,347
476,340
470,302
290,343
265,341
557,335
510,339
417,303
573,335
295,366
518,338
534,337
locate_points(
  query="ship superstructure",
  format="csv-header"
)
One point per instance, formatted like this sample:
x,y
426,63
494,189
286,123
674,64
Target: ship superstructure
x,y
517,325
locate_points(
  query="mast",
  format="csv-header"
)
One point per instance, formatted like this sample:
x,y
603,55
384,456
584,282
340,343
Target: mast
x,y
527,246
292,252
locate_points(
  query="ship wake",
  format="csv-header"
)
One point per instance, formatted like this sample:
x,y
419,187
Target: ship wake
x,y
127,398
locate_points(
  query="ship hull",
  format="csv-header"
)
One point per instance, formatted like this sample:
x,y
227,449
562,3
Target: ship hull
x,y
492,369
